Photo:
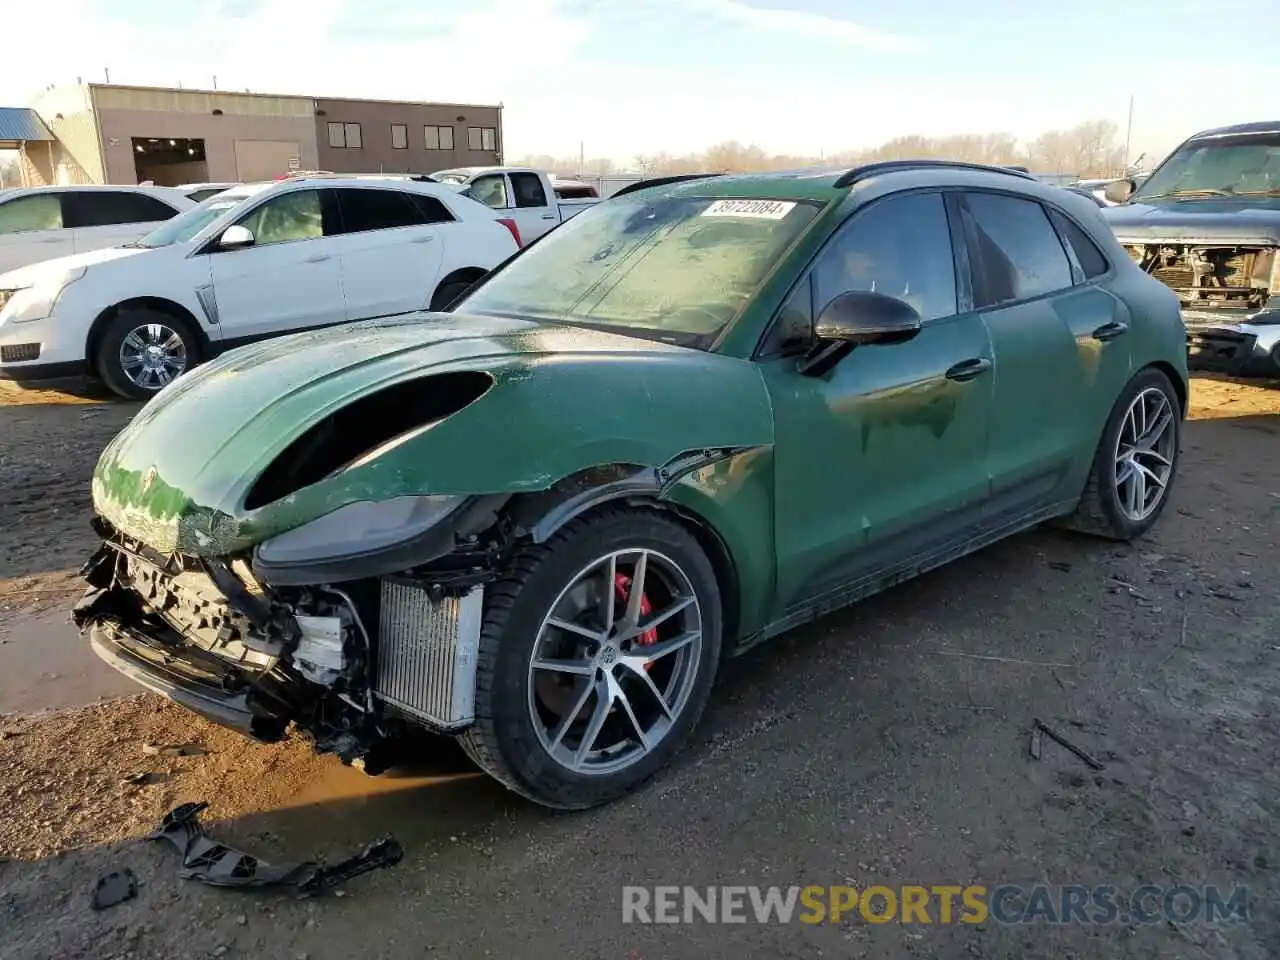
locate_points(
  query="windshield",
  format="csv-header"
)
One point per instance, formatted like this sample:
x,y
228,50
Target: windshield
x,y
676,268
187,224
1247,165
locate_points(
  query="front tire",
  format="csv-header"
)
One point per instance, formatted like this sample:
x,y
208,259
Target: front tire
x,y
142,351
1135,463
596,659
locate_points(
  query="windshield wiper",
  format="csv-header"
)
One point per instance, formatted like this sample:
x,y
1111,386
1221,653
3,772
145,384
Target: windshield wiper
x,y
1273,192
1181,194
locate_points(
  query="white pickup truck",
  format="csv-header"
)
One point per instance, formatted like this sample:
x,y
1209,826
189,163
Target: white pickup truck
x,y
529,197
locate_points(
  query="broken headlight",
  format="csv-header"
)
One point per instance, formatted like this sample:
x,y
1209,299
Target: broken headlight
x,y
351,540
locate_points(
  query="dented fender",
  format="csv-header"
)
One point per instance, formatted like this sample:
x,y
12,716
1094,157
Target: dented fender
x,y
476,405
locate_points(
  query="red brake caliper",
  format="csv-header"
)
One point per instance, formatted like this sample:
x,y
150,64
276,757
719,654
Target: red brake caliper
x,y
622,587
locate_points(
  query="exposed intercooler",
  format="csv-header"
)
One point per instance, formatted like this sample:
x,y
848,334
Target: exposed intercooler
x,y
426,657
1207,276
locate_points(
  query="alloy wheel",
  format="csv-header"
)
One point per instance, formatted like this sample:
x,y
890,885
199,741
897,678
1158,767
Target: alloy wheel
x,y
152,355
1144,454
615,661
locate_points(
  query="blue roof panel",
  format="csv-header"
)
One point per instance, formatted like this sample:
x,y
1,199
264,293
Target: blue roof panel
x,y
22,123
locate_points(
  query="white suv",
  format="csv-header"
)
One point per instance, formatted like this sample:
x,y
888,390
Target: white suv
x,y
41,223
253,262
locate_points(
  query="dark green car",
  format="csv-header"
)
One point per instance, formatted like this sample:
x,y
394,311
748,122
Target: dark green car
x,y
693,417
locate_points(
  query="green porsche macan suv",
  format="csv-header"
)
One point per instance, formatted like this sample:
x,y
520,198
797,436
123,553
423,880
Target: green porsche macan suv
x,y
697,415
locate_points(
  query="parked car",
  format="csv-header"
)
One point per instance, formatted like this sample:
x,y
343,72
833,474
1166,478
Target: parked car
x,y
1207,224
252,262
42,223
198,192
690,419
529,197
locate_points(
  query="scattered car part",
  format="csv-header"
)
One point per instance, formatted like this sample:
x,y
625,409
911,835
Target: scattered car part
x,y
218,865
114,888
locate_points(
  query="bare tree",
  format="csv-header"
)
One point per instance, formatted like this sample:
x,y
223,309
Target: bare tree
x,y
1087,149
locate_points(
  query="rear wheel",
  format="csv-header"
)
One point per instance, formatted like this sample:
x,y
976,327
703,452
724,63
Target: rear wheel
x,y
448,292
596,659
1135,463
142,351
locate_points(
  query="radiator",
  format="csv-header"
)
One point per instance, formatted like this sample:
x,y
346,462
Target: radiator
x,y
427,654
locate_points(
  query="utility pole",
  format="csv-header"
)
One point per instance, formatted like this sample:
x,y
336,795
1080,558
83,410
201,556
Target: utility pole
x,y
215,81
582,156
107,73
1128,137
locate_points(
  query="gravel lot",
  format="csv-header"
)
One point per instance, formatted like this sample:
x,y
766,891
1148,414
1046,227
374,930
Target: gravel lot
x,y
887,744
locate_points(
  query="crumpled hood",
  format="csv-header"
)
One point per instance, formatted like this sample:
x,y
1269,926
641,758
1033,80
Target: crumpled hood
x,y
29,276
564,399
1214,221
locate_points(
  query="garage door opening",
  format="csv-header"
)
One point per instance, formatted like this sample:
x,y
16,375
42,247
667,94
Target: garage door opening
x,y
169,161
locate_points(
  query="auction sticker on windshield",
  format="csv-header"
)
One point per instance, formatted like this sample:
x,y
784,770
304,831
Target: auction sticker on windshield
x,y
755,209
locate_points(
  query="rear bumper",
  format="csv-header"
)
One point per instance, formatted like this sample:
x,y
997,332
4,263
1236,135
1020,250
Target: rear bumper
x,y
204,685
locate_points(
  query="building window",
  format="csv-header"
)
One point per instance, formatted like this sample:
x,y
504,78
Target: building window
x,y
482,138
399,136
345,135
439,138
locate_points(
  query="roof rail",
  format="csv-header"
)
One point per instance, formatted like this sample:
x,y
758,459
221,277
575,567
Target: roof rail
x,y
662,181
868,170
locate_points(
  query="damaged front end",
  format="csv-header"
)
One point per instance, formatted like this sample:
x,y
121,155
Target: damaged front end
x,y
353,667
1229,299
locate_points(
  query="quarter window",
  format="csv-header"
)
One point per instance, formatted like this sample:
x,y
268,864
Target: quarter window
x,y
104,208
40,211
288,217
1091,259
901,247
439,138
1019,252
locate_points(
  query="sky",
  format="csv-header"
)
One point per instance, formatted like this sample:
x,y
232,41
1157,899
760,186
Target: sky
x,y
626,77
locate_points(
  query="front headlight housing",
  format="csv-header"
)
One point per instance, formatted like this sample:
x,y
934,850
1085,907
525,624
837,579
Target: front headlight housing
x,y
359,539
36,302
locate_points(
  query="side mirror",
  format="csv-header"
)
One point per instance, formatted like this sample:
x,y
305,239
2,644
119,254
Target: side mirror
x,y
235,238
862,317
1118,191
854,319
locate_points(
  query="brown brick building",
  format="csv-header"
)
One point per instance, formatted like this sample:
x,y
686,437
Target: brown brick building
x,y
113,133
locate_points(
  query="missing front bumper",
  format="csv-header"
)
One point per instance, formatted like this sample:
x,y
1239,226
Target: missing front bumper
x,y
197,681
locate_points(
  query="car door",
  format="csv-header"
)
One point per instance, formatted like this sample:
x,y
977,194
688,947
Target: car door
x,y
534,212
99,219
390,249
1048,364
882,459
290,277
31,230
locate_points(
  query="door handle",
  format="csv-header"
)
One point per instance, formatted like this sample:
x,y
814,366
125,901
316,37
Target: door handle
x,y
1109,331
968,369
426,239
52,240
548,216
319,258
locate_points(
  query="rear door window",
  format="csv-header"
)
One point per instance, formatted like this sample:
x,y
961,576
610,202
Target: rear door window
x,y
37,211
105,208
1019,254
1093,263
528,190
371,209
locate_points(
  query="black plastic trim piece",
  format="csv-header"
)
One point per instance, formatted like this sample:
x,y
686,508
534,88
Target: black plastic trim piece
x,y
661,182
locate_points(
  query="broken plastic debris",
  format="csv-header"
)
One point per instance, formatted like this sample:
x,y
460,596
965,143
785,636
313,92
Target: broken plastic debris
x,y
114,888
218,865
173,750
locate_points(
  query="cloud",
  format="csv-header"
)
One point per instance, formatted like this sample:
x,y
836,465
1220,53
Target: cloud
x,y
811,26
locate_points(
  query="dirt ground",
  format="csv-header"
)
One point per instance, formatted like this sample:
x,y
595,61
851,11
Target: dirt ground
x,y
887,744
